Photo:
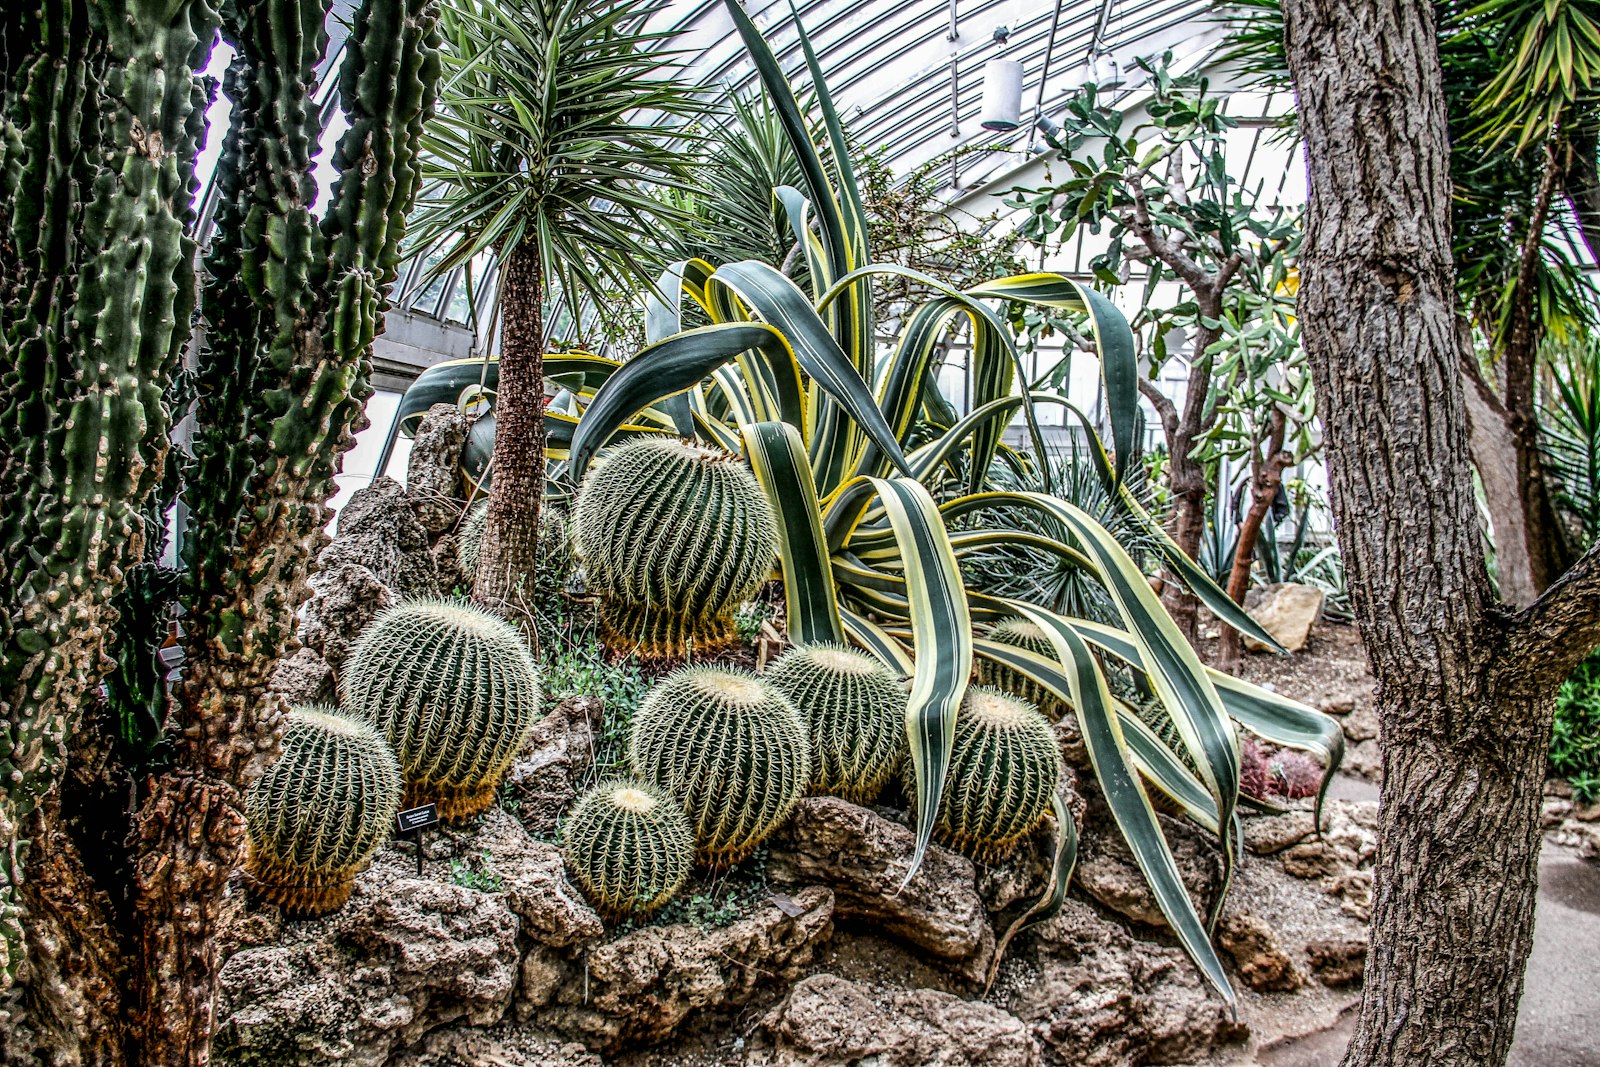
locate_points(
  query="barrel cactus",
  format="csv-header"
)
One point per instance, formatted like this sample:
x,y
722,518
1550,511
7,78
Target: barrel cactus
x,y
1004,769
672,537
1020,633
855,714
628,846
318,815
455,691
730,748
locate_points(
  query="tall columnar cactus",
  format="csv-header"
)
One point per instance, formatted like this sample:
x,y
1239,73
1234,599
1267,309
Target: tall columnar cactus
x,y
628,846
320,813
455,691
100,118
673,537
290,310
855,713
1004,768
730,748
1020,633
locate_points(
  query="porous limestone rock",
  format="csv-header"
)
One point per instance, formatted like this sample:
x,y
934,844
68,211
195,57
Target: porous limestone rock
x,y
1287,611
496,1047
345,598
304,677
1262,963
1268,835
828,1021
1338,962
1107,871
1099,998
433,471
378,529
641,987
554,763
405,956
863,858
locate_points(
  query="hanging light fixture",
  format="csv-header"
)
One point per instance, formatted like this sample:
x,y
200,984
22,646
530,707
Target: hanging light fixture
x,y
1002,90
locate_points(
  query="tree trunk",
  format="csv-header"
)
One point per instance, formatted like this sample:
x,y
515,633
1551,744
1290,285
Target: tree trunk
x,y
1464,689
509,557
1265,481
1494,456
1186,477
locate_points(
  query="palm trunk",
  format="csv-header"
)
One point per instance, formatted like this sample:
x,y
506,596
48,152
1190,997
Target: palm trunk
x,y
1464,687
509,557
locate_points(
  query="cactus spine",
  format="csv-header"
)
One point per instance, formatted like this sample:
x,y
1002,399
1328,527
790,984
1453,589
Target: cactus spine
x,y
1020,633
1004,768
454,690
855,713
100,113
628,846
319,814
730,748
673,537
291,306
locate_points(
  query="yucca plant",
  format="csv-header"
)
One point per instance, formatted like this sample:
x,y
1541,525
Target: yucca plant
x,y
792,379
539,155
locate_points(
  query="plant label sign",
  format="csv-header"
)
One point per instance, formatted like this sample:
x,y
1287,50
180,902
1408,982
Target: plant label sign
x,y
415,820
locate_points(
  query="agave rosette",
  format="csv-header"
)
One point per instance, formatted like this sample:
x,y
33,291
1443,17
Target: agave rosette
x,y
871,532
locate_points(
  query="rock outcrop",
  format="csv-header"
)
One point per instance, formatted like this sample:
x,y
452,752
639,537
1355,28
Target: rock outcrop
x,y
863,858
433,471
641,987
828,1021
554,763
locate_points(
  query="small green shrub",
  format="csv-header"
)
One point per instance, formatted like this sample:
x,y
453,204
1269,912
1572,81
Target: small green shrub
x,y
479,875
1575,741
581,669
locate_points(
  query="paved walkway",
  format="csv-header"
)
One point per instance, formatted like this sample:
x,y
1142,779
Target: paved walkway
x,y
1559,1022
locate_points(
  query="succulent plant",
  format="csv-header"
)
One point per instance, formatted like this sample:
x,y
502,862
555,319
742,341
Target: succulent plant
x,y
454,690
855,714
317,816
629,847
1004,768
1020,633
673,537
730,748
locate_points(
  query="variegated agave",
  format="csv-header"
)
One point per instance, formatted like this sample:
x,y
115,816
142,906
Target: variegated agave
x,y
793,382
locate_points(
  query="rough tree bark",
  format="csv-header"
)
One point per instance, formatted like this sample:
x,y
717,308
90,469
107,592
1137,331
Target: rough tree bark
x,y
509,555
1268,461
1465,686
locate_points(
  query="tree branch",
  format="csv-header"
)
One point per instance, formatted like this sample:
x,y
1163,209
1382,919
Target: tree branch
x,y
1556,632
1163,249
1166,411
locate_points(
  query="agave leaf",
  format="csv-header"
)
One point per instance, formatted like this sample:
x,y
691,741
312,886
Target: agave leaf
x,y
674,365
1054,897
778,458
1113,340
942,632
1083,688
850,408
875,639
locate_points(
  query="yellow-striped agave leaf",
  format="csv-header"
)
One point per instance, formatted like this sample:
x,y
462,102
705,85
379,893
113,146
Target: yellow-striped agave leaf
x,y
778,458
942,634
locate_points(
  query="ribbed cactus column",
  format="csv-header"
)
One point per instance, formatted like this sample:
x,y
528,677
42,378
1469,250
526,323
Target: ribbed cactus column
x,y
98,130
290,309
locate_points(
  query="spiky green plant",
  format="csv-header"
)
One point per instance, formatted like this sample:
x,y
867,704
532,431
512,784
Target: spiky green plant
x,y
673,536
855,713
454,690
730,748
629,847
318,815
1004,769
1020,633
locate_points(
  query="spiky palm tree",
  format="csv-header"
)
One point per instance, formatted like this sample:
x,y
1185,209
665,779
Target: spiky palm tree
x,y
558,120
